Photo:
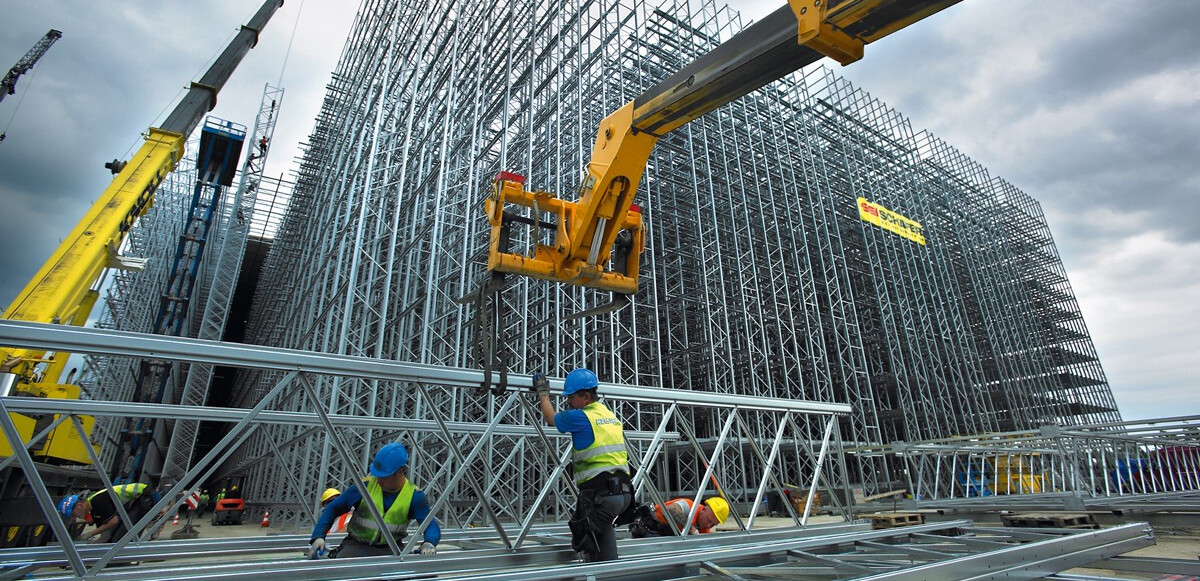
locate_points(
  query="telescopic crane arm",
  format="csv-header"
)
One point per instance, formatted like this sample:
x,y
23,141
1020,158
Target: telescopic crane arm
x,y
599,237
61,291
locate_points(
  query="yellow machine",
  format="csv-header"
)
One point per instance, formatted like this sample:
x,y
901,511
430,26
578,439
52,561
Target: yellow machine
x,y
63,290
599,238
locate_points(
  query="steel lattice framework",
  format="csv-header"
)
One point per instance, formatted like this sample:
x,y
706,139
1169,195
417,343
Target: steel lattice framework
x,y
761,277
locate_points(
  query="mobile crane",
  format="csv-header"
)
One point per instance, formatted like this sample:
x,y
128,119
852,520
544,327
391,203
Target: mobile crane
x,y
8,85
599,238
63,292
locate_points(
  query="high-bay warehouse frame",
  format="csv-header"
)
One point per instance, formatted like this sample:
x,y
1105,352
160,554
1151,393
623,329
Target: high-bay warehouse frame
x,y
761,277
778,324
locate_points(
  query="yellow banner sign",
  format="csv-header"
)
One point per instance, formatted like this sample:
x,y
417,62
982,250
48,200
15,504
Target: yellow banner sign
x,y
890,221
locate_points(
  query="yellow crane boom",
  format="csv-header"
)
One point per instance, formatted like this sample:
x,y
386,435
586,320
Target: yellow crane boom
x,y
62,290
599,237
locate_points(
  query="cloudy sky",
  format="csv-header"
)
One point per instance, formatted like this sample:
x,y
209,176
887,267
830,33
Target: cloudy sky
x,y
1090,107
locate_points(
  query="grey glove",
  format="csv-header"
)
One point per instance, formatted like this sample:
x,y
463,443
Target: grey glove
x,y
427,548
316,549
541,385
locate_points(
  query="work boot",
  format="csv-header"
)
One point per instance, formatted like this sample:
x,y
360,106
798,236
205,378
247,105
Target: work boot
x,y
637,528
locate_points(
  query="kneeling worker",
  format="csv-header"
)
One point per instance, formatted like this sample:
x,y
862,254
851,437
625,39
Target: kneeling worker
x,y
712,512
396,499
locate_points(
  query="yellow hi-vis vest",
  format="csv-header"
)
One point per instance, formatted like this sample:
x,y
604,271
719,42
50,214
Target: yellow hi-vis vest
x,y
125,492
607,452
363,526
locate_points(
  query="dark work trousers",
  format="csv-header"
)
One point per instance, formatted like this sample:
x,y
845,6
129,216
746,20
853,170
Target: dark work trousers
x,y
353,548
137,508
592,523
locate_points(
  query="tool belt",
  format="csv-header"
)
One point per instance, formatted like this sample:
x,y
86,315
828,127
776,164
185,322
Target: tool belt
x,y
608,483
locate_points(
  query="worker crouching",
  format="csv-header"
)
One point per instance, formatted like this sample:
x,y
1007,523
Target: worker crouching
x,y
711,513
137,499
599,462
396,499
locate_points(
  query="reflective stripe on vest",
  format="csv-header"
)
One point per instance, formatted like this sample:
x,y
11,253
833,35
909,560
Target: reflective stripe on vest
x,y
125,492
339,525
363,526
607,451
686,504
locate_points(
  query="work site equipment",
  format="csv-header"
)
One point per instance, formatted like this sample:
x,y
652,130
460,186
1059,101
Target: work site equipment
x,y
599,238
63,290
229,511
8,85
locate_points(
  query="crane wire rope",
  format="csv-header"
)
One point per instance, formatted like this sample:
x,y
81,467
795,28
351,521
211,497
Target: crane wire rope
x,y
20,99
291,39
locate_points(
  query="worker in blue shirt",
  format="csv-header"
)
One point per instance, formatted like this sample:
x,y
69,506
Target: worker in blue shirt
x,y
396,499
599,462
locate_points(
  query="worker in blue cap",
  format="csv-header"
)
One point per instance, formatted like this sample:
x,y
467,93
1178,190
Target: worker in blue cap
x,y
599,462
396,499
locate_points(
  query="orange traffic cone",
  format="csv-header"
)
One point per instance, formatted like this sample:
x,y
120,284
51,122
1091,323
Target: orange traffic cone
x,y
266,518
175,521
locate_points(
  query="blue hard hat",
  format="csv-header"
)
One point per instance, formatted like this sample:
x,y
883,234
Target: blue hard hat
x,y
581,378
67,505
389,459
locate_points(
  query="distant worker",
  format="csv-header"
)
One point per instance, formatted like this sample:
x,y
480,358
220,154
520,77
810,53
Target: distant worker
x,y
396,499
138,499
712,512
203,507
339,525
599,462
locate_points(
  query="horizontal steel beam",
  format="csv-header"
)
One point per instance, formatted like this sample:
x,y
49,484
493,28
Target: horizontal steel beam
x,y
145,345
31,405
1033,560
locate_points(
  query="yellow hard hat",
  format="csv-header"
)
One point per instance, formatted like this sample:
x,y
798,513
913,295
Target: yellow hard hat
x,y
719,507
329,493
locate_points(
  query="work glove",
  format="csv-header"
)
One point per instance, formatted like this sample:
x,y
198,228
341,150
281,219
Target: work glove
x,y
427,548
541,385
316,549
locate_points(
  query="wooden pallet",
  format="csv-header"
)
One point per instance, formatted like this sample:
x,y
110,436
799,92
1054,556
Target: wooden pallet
x,y
888,520
1050,520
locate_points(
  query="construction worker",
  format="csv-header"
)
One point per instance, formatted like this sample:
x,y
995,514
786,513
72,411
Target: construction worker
x,y
599,462
712,512
138,499
339,526
396,499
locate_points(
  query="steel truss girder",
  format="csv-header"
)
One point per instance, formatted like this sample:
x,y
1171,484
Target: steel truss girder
x,y
129,344
300,363
180,412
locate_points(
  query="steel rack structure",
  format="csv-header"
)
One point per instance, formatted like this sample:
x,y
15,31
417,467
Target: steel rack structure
x,y
512,549
763,277
1138,467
